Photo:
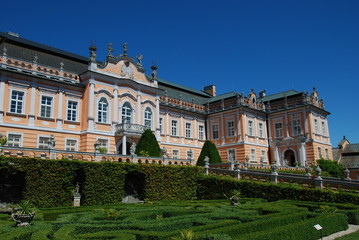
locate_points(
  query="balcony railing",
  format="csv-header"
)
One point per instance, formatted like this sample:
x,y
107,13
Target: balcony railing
x,y
129,128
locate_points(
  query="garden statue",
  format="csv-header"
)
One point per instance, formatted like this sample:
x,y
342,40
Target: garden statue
x,y
97,146
133,149
318,171
164,153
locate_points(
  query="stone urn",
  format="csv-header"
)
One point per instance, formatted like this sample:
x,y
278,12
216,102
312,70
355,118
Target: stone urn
x,y
234,201
23,219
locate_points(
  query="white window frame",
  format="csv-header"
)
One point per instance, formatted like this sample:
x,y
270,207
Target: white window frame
x,y
253,157
327,153
316,126
250,128
261,130
47,106
127,113
69,146
229,151
177,155
264,154
188,129
9,140
73,111
231,131
201,132
107,146
148,117
296,127
46,145
320,154
161,125
278,131
188,152
174,127
215,129
101,112
324,129
23,101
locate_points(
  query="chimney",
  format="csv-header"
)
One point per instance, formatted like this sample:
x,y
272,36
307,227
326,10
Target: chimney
x,y
211,90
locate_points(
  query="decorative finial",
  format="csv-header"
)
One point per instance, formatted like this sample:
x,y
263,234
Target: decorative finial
x,y
252,89
92,49
314,89
124,49
154,72
139,59
110,50
344,137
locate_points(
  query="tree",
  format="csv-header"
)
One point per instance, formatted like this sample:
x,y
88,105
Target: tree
x,y
209,149
148,145
331,168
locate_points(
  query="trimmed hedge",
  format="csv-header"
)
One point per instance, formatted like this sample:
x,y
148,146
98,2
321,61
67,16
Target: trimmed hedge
x,y
209,149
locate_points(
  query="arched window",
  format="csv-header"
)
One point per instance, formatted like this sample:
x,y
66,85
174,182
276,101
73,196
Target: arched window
x,y
102,110
126,113
148,118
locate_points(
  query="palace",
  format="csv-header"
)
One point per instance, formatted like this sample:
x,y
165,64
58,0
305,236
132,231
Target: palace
x,y
53,96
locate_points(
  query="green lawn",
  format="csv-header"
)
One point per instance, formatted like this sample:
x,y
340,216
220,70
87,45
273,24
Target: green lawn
x,y
352,236
251,219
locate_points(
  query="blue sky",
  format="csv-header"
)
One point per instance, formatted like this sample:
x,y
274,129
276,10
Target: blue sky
x,y
274,45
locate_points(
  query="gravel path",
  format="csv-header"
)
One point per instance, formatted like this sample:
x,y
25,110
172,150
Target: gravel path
x,y
351,229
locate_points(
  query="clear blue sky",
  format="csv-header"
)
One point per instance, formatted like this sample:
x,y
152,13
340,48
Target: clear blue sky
x,y
274,45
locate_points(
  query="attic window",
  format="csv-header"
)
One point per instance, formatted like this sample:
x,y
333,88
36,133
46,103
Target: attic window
x,y
253,100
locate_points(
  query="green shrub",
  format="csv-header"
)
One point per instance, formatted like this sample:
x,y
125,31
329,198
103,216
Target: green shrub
x,y
148,144
209,149
331,168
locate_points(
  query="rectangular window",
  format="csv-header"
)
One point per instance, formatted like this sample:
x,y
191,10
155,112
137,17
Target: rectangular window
x,y
316,126
278,130
260,126
103,144
320,152
263,156
72,111
188,130
323,128
231,155
14,140
230,128
161,125
17,102
253,155
215,131
201,132
297,129
174,128
43,142
46,106
327,153
71,145
189,155
175,154
250,127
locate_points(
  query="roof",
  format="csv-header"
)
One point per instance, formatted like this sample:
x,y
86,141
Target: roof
x,y
39,46
223,96
182,87
350,161
279,95
351,148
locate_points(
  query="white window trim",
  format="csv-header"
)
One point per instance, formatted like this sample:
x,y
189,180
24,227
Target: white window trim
x,y
144,115
265,156
16,133
74,139
178,151
77,110
235,152
108,142
255,155
300,125
160,124
252,121
233,127
316,128
38,140
204,135
132,112
190,130
320,153
275,129
108,109
259,130
52,104
177,128
215,124
23,102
